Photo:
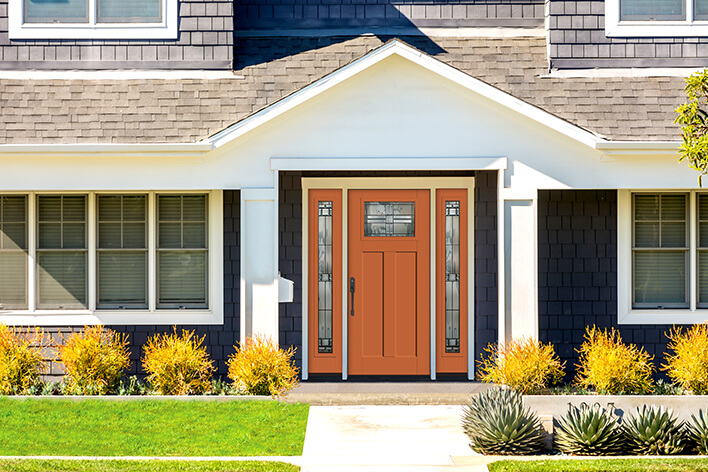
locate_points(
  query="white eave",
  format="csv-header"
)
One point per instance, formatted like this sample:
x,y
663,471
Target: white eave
x,y
631,148
149,149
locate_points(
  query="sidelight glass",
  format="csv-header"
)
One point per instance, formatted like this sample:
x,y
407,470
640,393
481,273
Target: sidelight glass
x,y
389,219
452,276
324,276
13,252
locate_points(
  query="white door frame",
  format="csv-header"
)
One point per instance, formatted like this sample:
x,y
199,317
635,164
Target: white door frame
x,y
424,183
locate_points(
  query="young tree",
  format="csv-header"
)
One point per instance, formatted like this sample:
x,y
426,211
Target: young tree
x,y
693,118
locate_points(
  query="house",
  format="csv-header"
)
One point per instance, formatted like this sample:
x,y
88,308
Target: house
x,y
388,186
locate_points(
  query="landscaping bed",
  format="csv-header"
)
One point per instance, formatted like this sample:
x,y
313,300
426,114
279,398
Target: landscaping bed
x,y
47,427
31,465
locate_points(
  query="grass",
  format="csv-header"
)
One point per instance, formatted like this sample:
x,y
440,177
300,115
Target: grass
x,y
47,427
603,465
29,465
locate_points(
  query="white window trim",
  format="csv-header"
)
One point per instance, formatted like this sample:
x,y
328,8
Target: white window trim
x,y
625,313
152,316
614,27
166,29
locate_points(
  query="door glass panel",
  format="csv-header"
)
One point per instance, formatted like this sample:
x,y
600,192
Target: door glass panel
x,y
324,277
452,276
389,219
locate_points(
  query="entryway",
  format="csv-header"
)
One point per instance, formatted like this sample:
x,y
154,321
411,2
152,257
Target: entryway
x,y
387,280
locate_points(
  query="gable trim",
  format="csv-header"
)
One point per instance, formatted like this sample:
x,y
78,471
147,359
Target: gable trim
x,y
401,49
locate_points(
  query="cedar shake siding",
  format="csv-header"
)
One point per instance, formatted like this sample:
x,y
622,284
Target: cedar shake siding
x,y
219,339
205,41
269,16
577,274
485,247
576,36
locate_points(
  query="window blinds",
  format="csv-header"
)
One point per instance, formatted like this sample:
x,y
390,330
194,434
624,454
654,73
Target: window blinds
x,y
652,10
122,251
13,252
182,251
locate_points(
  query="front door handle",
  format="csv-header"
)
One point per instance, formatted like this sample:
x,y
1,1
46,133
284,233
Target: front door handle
x,y
352,288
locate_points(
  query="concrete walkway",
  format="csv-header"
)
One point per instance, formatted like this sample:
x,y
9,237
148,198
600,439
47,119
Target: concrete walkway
x,y
395,438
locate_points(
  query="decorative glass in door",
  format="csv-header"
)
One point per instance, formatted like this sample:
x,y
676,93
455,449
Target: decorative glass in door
x,y
452,276
324,276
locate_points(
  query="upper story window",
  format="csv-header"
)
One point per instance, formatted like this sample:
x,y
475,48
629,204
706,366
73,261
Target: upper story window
x,y
656,18
93,19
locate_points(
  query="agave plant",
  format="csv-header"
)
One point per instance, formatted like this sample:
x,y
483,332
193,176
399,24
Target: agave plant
x,y
697,432
654,430
497,423
589,430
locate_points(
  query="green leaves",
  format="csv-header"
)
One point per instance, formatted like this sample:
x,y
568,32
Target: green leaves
x,y
589,430
654,430
693,118
497,423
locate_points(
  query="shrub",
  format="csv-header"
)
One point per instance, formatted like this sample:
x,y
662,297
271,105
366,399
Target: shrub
x,y
687,366
612,367
589,430
94,360
133,386
177,365
497,423
524,365
653,430
260,367
697,432
21,359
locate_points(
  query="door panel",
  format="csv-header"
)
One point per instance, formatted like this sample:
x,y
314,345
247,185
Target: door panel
x,y
389,332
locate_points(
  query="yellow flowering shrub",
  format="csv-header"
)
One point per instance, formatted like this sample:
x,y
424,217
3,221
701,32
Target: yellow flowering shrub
x,y
21,359
612,367
525,365
687,364
177,364
260,367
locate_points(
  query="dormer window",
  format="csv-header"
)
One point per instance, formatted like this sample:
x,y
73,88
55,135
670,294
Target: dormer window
x,y
93,19
656,18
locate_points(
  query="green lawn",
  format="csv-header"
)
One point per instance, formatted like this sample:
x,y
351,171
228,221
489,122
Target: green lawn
x,y
45,427
142,466
603,465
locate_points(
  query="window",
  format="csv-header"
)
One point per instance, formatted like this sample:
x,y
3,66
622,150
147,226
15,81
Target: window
x,y
656,18
93,19
662,257
117,257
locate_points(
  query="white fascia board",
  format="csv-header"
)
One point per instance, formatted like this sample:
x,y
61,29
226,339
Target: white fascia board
x,y
150,149
392,164
638,147
434,65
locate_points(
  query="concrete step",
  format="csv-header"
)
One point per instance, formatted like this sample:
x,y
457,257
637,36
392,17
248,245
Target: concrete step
x,y
385,393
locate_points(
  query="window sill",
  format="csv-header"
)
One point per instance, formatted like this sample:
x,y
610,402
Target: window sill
x,y
667,316
662,29
110,317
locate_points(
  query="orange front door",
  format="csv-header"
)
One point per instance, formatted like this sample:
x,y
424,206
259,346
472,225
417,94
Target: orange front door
x,y
388,300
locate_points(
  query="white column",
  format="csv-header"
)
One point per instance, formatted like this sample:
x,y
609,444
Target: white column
x,y
259,263
518,286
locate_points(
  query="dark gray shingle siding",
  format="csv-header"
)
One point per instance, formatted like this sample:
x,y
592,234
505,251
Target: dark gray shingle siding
x,y
205,41
576,34
329,14
577,270
486,290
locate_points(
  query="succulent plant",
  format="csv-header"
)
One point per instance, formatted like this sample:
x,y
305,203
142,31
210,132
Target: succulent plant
x,y
697,432
497,422
589,430
654,430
